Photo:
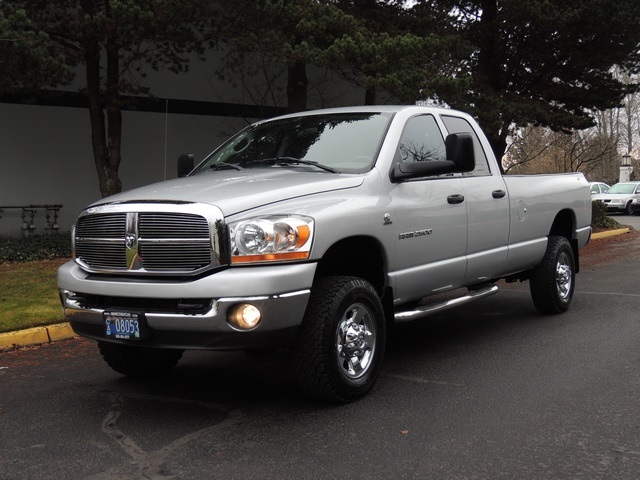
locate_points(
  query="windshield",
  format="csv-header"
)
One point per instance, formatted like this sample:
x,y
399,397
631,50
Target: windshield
x,y
624,188
343,142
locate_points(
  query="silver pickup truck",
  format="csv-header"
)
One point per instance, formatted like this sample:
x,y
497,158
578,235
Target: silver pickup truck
x,y
317,232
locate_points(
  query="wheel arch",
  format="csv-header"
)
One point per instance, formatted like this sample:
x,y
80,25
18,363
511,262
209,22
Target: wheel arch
x,y
360,256
564,225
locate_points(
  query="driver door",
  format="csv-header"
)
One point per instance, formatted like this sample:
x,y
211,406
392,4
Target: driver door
x,y
429,218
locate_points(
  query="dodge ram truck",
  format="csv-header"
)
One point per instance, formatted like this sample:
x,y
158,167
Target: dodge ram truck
x,y
316,233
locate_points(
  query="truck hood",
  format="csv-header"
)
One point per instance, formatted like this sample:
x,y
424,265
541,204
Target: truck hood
x,y
237,191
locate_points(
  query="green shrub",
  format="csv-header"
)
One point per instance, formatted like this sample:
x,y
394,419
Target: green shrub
x,y
35,247
599,218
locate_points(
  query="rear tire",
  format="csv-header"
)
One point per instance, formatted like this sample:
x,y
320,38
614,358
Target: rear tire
x,y
552,282
341,340
139,362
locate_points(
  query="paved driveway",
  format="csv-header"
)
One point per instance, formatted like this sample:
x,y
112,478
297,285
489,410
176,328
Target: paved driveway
x,y
492,390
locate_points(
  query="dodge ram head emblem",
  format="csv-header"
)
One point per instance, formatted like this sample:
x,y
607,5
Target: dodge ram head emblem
x,y
130,241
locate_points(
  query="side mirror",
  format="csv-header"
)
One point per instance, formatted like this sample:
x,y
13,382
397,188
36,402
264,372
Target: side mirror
x,y
460,158
460,151
185,164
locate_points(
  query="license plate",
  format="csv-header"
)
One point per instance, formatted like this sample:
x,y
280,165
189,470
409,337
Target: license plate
x,y
123,325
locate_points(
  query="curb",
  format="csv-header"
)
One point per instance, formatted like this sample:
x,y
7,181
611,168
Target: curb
x,y
35,336
609,233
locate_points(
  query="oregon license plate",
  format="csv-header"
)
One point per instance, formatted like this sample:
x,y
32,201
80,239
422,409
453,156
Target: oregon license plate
x,y
123,325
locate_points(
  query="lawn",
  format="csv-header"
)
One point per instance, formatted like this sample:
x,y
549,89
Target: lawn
x,y
28,294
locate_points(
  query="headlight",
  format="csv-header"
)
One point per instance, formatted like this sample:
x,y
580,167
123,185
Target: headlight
x,y
273,238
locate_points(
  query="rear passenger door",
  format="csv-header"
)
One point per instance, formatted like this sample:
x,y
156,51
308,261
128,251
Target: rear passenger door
x,y
487,204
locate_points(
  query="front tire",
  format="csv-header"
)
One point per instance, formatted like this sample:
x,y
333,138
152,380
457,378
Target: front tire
x,y
552,282
139,362
628,210
341,340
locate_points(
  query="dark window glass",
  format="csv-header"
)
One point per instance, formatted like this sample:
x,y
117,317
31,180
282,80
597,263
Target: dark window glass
x,y
460,125
421,141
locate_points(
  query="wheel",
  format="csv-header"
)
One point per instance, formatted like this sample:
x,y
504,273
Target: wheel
x,y
139,361
628,210
552,282
341,340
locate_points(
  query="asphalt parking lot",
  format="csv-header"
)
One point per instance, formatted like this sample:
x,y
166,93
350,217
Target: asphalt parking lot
x,y
490,390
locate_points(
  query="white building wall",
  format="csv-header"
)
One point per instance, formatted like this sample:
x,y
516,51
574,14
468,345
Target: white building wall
x,y
46,156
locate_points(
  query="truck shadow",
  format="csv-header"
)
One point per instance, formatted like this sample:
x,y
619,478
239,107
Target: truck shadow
x,y
238,380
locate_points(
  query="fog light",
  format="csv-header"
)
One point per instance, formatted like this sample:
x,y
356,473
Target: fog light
x,y
244,316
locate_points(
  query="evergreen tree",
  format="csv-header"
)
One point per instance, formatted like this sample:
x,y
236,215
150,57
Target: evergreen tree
x,y
27,57
543,62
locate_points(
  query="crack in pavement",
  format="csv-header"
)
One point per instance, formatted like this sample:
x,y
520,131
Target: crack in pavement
x,y
151,464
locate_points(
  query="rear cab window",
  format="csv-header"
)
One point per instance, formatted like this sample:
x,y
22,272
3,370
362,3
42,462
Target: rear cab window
x,y
460,125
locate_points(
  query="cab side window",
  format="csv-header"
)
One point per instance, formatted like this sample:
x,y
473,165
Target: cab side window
x,y
421,141
460,125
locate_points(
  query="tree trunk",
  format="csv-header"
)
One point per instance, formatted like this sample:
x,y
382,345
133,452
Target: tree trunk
x,y
489,79
297,83
497,139
114,116
106,151
370,96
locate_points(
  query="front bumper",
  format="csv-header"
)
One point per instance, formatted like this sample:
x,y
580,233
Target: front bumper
x,y
280,292
616,207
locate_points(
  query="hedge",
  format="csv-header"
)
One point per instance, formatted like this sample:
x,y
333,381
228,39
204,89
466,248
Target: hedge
x,y
35,247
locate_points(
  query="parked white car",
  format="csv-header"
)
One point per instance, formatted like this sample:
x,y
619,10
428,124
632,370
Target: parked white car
x,y
598,187
620,197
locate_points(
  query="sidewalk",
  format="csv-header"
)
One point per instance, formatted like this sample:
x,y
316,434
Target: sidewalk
x,y
63,331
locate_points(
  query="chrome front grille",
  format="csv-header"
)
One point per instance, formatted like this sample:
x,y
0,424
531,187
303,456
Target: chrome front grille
x,y
173,225
154,239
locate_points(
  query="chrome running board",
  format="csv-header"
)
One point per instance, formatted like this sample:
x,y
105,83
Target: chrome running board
x,y
426,310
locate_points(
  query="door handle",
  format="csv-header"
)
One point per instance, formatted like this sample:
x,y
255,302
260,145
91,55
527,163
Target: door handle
x,y
453,199
498,193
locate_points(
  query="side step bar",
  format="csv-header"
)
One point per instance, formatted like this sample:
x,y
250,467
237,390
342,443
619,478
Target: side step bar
x,y
426,310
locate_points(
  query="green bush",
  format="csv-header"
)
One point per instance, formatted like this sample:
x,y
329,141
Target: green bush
x,y
35,247
599,217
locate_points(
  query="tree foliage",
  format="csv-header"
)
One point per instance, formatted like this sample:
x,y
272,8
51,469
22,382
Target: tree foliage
x,y
544,62
113,40
28,59
542,150
375,45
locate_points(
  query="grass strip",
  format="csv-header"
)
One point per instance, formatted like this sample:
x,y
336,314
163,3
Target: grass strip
x,y
29,295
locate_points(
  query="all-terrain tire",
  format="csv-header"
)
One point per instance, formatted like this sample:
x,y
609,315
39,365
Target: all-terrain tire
x,y
552,282
341,341
139,361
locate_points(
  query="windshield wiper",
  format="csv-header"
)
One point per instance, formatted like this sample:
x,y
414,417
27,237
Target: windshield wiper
x,y
222,165
294,161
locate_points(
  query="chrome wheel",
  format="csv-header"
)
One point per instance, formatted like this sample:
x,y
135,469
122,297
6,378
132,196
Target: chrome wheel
x,y
552,282
564,277
355,341
341,341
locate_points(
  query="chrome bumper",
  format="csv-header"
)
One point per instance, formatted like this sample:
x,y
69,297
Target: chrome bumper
x,y
208,328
